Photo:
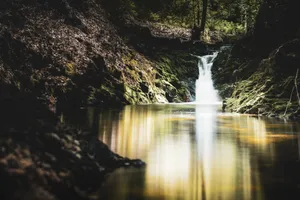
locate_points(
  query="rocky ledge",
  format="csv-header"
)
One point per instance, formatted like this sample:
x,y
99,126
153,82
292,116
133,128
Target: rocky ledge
x,y
41,158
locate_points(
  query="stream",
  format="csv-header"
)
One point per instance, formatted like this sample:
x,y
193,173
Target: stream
x,y
194,151
197,152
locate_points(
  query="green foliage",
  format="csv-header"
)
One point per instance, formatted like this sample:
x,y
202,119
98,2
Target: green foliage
x,y
226,27
70,69
231,17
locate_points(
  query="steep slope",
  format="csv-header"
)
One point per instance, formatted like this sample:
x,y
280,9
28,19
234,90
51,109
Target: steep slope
x,y
68,51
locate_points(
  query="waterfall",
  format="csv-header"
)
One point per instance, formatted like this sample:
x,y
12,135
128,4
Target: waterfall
x,y
205,91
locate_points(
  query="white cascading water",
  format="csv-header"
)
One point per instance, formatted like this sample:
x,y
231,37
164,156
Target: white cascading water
x,y
205,91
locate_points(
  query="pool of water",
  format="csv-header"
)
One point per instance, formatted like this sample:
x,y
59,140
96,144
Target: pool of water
x,y
196,152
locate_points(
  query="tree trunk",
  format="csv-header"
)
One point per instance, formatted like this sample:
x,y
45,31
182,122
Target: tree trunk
x,y
204,14
194,15
198,13
246,19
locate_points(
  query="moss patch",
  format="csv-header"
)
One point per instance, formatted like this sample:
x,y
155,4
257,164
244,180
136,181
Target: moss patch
x,y
266,88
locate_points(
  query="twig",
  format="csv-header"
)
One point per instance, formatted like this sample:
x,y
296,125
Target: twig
x,y
289,101
296,85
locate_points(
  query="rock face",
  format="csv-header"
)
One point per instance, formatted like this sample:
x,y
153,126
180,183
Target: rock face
x,y
259,73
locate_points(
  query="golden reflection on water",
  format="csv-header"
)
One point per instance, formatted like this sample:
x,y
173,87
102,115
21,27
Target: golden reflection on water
x,y
191,153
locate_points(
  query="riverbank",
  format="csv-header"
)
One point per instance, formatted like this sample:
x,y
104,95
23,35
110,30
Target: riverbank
x,y
259,74
42,158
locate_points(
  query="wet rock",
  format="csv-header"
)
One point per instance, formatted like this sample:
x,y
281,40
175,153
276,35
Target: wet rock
x,y
138,163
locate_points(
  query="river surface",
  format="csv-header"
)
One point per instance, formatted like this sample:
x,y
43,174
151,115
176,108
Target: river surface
x,y
196,152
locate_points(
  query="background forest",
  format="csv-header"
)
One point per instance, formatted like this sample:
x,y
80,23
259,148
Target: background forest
x,y
218,18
